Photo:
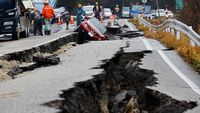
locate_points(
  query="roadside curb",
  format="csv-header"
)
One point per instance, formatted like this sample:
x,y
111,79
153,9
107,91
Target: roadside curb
x,y
47,47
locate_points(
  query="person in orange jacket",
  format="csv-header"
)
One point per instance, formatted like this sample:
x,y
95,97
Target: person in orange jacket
x,y
47,13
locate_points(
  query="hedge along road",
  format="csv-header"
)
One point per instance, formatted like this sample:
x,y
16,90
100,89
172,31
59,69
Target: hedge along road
x,y
27,94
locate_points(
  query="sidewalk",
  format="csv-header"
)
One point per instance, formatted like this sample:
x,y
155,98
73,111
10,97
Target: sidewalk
x,y
32,41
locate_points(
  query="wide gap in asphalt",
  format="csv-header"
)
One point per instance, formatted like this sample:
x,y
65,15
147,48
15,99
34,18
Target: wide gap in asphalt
x,y
121,88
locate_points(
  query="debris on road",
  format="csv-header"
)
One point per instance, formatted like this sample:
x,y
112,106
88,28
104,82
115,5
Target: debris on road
x,y
113,26
130,34
46,61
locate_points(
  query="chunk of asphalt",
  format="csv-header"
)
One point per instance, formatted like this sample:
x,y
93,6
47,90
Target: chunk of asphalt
x,y
125,26
45,61
28,66
14,72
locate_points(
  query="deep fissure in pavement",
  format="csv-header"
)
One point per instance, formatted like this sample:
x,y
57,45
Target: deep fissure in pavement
x,y
121,88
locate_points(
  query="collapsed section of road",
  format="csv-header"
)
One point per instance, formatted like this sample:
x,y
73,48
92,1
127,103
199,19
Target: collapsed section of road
x,y
10,69
121,88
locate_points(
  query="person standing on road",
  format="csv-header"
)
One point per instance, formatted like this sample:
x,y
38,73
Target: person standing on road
x,y
97,11
67,18
80,13
48,14
37,21
117,11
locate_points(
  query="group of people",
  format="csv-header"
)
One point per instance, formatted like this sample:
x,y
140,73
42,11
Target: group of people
x,y
97,11
45,18
38,19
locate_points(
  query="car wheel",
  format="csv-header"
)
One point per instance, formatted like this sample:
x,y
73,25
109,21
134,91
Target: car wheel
x,y
16,35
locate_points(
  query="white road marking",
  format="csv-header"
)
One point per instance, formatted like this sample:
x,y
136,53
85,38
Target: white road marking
x,y
179,73
172,66
129,25
148,45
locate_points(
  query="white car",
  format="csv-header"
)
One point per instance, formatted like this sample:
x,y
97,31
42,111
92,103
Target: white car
x,y
170,14
89,11
160,13
107,12
153,13
125,12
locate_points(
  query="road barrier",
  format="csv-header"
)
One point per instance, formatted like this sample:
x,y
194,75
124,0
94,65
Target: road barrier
x,y
175,26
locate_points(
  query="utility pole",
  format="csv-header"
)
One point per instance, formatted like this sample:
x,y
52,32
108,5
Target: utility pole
x,y
166,8
157,4
102,3
144,2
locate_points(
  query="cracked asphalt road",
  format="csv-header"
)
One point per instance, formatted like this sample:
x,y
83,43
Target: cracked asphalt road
x,y
28,93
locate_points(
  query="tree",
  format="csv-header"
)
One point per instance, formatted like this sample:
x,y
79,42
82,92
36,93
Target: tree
x,y
191,14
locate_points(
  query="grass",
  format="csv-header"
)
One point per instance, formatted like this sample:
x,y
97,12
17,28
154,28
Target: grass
x,y
190,53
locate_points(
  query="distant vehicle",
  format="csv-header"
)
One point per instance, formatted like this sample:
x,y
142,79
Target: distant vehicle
x,y
147,11
170,14
153,13
60,12
89,11
39,4
125,12
93,29
107,12
15,17
160,13
136,10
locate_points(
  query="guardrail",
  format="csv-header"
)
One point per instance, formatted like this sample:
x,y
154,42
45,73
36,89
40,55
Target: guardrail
x,y
175,26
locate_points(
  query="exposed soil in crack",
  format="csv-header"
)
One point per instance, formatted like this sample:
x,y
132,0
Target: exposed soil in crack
x,y
10,69
121,88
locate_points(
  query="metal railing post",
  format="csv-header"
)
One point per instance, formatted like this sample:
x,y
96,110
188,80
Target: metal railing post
x,y
178,35
172,30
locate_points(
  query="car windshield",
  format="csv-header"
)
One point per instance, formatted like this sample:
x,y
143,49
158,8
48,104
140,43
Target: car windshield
x,y
98,25
137,7
88,8
126,8
160,10
7,4
153,11
59,10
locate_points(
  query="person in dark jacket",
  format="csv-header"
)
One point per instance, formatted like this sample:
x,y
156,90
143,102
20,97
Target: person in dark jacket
x,y
117,11
67,18
37,20
80,13
97,11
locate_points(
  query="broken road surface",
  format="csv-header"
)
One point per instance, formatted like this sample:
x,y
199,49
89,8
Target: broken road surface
x,y
29,93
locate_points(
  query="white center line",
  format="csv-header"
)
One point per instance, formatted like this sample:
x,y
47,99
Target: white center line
x,y
148,45
129,25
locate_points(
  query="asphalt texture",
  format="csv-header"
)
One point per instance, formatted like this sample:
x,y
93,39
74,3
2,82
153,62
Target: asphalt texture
x,y
28,93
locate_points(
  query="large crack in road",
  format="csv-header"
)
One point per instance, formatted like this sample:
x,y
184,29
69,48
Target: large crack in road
x,y
121,88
